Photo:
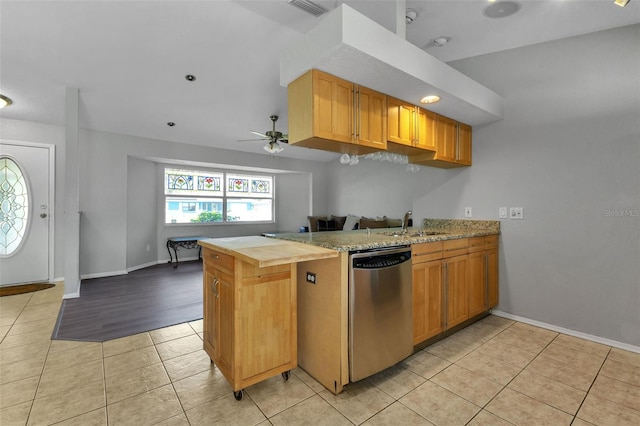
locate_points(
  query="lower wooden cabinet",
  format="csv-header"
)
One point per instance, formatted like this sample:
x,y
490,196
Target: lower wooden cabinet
x,y
250,318
428,300
453,281
456,290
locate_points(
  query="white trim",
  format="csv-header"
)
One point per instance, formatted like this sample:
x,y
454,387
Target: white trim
x,y
103,274
71,295
144,265
608,342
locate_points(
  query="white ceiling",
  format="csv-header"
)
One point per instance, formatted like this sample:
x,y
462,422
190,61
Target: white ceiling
x,y
129,58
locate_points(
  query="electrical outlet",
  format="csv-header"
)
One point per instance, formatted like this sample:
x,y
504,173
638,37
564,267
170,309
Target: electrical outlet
x,y
502,212
311,277
516,213
468,212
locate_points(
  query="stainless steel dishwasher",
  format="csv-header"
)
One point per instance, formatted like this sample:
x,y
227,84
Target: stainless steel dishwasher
x,y
380,310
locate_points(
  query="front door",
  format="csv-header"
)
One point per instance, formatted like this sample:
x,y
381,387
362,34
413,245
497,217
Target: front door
x,y
24,213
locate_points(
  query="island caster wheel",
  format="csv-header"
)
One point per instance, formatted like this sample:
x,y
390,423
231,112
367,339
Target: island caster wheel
x,y
285,375
238,395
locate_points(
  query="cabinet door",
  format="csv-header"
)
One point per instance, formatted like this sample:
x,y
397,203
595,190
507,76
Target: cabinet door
x,y
457,303
491,257
477,287
425,129
371,118
333,107
265,339
210,310
445,135
463,155
400,122
428,305
225,322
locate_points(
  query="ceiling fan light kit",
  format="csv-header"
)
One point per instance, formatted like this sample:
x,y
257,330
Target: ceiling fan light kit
x,y
272,137
5,101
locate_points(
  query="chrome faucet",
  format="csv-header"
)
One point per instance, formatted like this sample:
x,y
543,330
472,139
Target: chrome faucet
x,y
405,221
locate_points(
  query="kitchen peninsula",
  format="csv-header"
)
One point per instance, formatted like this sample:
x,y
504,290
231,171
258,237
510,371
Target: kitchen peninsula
x,y
454,269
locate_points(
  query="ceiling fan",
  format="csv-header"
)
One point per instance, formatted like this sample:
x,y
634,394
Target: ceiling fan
x,y
272,137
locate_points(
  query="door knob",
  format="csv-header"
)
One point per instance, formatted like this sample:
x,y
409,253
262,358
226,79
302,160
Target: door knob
x,y
43,215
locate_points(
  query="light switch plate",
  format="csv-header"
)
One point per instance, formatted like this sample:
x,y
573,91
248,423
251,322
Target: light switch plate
x,y
468,212
502,212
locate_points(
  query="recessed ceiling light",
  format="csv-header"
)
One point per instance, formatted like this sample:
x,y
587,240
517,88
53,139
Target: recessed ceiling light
x,y
5,101
190,77
171,124
501,9
621,3
431,99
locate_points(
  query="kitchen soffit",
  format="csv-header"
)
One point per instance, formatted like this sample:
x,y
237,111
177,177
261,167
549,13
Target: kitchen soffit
x,y
349,45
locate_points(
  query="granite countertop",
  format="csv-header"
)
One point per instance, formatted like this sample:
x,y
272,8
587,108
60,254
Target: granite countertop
x,y
432,230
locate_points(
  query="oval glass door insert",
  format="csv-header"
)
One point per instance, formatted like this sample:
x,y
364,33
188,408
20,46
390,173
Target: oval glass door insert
x,y
14,206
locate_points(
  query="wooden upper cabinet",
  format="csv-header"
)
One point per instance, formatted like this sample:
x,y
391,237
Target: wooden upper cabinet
x,y
332,114
426,129
446,133
452,144
371,125
409,126
463,156
400,118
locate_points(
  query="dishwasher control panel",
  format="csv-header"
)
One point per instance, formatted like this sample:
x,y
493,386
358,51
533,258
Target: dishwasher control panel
x,y
379,260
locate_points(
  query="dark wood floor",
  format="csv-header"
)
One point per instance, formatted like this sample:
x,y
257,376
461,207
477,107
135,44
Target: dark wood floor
x,y
143,300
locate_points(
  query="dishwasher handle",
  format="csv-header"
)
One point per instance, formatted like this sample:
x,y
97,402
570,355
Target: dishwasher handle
x,y
381,261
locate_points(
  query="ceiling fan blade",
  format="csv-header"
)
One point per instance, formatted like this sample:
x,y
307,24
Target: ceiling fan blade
x,y
253,140
262,135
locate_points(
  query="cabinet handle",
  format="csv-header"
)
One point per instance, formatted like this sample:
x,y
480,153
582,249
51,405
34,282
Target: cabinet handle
x,y
457,141
358,113
215,284
416,125
353,114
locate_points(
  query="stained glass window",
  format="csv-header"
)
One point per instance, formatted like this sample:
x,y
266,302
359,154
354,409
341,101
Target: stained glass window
x,y
260,186
14,206
204,196
179,181
238,185
208,183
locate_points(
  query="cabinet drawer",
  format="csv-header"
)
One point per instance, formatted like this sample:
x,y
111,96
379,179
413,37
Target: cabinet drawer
x,y
490,242
476,244
424,252
455,247
218,260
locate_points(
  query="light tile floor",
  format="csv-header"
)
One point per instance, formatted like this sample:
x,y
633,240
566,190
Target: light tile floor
x,y
495,372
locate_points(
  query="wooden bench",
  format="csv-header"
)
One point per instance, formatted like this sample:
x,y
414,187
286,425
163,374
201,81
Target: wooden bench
x,y
184,242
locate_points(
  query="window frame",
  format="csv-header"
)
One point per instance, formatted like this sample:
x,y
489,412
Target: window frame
x,y
222,197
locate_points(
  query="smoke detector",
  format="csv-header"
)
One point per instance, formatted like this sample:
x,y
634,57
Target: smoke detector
x,y
411,15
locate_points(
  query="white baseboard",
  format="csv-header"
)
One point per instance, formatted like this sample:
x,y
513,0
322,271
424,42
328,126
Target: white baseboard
x,y
608,342
71,296
102,274
144,265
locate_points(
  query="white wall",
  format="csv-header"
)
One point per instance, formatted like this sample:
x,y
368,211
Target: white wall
x,y
372,188
141,213
568,151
